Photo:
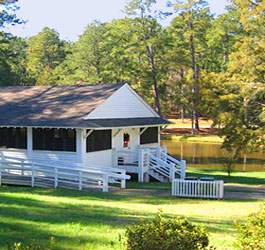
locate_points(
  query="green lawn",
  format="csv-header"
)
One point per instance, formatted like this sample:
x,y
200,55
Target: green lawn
x,y
94,220
238,177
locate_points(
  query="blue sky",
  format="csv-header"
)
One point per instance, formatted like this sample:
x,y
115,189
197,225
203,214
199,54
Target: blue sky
x,y
70,18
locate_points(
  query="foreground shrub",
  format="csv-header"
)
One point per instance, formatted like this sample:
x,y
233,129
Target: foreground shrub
x,y
166,234
252,233
34,245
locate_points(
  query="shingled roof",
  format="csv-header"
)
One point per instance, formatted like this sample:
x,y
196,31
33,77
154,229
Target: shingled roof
x,y
61,106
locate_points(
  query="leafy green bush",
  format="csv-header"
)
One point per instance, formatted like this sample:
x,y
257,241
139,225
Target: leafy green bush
x,y
166,234
252,233
34,245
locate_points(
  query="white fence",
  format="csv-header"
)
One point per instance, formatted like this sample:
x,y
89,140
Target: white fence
x,y
24,172
198,189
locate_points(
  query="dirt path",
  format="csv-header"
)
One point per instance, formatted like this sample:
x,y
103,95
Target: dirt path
x,y
245,192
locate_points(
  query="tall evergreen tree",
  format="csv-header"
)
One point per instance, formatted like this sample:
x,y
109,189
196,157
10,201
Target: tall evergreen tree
x,y
189,29
45,52
148,33
12,60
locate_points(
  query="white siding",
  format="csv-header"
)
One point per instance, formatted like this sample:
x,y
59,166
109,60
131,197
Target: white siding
x,y
124,103
117,141
99,158
41,155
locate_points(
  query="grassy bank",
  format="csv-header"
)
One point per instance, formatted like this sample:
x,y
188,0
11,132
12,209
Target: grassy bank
x,y
193,138
186,123
94,220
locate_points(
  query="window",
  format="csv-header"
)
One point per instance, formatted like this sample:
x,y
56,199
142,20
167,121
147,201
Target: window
x,y
13,138
98,140
150,135
54,139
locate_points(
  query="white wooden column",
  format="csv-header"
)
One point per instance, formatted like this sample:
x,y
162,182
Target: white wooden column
x,y
159,135
80,144
29,141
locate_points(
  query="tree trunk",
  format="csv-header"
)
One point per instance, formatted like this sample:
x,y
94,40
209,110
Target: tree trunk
x,y
194,77
154,79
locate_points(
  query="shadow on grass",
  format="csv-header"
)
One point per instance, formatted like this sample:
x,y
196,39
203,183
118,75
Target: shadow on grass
x,y
23,218
77,218
23,232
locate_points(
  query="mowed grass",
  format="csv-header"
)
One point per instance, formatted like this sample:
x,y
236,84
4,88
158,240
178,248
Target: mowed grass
x,y
237,177
94,220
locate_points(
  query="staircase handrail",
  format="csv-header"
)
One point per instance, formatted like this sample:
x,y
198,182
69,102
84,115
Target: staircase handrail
x,y
168,156
171,167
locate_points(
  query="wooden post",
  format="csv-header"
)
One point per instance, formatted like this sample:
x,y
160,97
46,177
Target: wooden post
x,y
80,145
140,165
221,188
29,142
183,169
123,181
114,158
172,173
105,183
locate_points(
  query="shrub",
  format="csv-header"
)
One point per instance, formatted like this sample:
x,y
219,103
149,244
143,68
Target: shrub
x,y
252,233
34,245
166,234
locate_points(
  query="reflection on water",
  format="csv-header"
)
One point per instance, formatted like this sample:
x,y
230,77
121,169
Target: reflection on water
x,y
208,155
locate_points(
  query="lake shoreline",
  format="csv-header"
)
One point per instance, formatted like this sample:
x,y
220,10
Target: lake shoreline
x,y
192,138
209,155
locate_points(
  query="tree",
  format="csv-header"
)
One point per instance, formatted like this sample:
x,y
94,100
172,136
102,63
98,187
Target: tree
x,y
221,38
148,32
5,16
45,52
12,60
235,99
189,29
247,62
88,57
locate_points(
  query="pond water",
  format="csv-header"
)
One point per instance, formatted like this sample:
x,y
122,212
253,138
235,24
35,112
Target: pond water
x,y
208,155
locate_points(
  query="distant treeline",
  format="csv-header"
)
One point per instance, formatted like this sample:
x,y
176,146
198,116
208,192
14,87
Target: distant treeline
x,y
199,65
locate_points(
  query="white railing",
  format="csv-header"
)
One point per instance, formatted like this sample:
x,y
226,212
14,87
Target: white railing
x,y
129,157
24,172
198,189
163,168
155,159
180,165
